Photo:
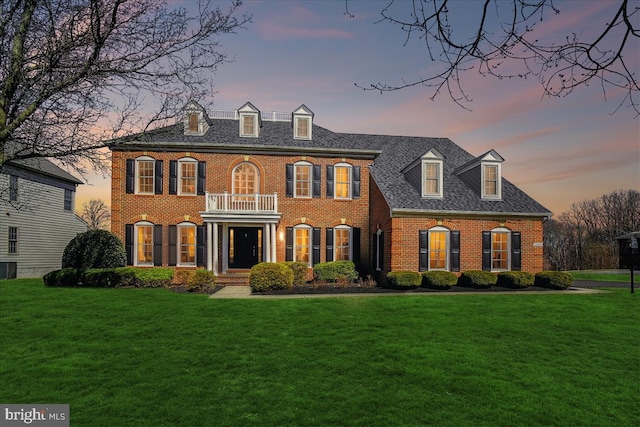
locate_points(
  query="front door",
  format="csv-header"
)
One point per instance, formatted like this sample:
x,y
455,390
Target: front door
x,y
245,246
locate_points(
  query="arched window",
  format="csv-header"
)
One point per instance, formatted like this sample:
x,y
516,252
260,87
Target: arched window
x,y
246,179
500,249
438,248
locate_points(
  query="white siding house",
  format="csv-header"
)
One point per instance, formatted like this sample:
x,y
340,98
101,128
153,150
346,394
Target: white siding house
x,y
37,217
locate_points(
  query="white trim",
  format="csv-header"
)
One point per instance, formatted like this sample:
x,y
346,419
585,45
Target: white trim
x,y
253,134
335,181
182,162
136,243
310,245
179,228
507,232
483,166
295,180
439,164
335,247
137,174
296,120
256,181
447,248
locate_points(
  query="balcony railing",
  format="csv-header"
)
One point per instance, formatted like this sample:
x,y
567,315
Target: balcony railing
x,y
226,202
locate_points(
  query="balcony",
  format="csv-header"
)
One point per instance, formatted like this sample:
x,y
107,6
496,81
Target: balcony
x,y
242,203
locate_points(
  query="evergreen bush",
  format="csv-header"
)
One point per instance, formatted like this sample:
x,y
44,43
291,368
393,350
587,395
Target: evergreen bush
x,y
553,279
299,272
404,279
94,249
335,271
515,279
479,279
439,279
268,276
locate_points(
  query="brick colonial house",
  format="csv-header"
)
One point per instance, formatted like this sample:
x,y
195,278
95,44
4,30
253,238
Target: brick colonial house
x,y
230,189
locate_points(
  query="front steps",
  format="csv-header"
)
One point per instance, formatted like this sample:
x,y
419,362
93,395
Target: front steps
x,y
233,278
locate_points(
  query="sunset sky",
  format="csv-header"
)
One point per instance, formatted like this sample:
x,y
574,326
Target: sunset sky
x,y
558,150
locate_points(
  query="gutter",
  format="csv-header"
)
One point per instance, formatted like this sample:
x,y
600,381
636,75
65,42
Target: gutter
x,y
422,212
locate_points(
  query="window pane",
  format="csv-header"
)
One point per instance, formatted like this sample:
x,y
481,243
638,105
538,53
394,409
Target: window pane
x,y
431,179
303,128
145,244
187,244
438,250
145,176
500,251
343,182
303,181
491,180
13,240
188,177
248,125
244,179
302,245
341,244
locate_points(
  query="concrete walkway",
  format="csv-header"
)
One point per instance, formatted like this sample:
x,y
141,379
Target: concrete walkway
x,y
238,292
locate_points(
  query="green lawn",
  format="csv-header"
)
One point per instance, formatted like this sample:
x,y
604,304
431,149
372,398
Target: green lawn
x,y
599,276
137,357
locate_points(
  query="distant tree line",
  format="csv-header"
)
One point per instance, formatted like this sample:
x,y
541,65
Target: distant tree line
x,y
584,237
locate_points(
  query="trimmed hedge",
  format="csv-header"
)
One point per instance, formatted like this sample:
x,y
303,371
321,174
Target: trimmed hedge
x,y
268,276
515,279
94,249
477,279
335,271
404,279
122,277
200,280
299,272
439,279
553,280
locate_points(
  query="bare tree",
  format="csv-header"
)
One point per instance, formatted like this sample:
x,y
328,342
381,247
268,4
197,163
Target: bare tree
x,y
504,33
75,73
96,214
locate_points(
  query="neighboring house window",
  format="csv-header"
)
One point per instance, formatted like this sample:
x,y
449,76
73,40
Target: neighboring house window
x,y
145,168
249,125
13,188
13,240
302,248
342,243
342,181
432,179
187,242
187,170
143,244
438,249
245,179
302,128
303,179
68,200
491,187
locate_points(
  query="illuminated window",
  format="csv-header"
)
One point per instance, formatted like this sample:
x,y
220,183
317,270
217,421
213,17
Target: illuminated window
x,y
187,243
187,173
342,243
144,244
302,245
303,179
500,250
438,249
342,181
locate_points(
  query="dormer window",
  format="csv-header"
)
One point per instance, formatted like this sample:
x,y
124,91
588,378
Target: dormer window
x,y
490,180
193,122
432,185
488,168
250,123
302,123
196,121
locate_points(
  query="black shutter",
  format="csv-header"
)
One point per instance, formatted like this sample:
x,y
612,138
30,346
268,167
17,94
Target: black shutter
x,y
131,176
356,182
173,177
315,241
201,247
423,244
128,242
516,251
486,250
381,251
329,240
317,181
329,181
454,256
173,250
158,177
289,245
157,245
289,179
355,239
202,178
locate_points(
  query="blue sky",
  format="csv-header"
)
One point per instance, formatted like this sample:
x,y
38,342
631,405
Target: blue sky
x,y
558,150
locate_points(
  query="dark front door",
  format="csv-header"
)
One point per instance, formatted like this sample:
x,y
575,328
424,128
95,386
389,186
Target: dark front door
x,y
245,246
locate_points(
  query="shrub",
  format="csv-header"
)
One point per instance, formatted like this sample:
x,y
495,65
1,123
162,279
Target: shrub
x,y
515,279
477,279
299,272
157,277
94,249
404,279
202,280
335,271
268,276
182,277
110,277
66,277
439,279
553,279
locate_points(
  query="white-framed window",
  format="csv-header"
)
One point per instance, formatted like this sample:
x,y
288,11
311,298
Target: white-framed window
x,y
12,240
186,244
68,200
342,243
302,128
500,249
143,243
302,237
145,174
249,124
303,179
439,248
187,174
432,178
342,180
13,188
491,181
246,179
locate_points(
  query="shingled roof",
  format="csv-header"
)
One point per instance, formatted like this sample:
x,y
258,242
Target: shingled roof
x,y
389,154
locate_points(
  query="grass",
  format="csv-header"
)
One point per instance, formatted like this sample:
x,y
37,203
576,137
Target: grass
x,y
600,276
148,357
